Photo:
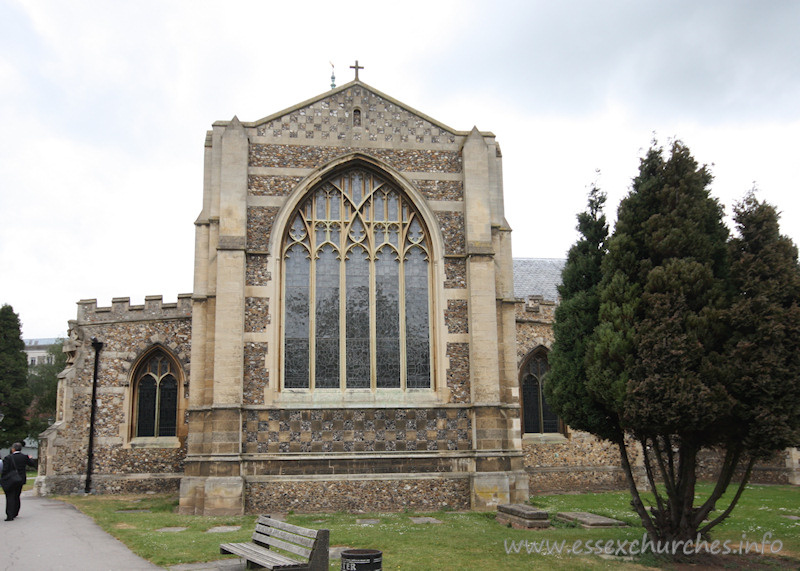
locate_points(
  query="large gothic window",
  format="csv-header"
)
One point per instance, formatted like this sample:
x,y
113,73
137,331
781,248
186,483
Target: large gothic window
x,y
536,414
356,267
156,396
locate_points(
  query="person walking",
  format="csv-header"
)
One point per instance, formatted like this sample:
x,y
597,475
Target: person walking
x,y
13,477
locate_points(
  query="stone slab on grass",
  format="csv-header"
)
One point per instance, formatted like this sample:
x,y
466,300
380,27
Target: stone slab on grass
x,y
589,520
522,516
172,529
424,520
368,521
224,528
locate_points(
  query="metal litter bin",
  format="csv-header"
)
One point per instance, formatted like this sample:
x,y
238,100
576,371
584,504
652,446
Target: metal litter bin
x,y
362,560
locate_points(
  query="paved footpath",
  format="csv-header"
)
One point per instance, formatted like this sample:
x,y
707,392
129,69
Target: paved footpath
x,y
52,535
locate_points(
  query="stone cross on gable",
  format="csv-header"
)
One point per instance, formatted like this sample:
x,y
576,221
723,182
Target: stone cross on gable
x,y
356,67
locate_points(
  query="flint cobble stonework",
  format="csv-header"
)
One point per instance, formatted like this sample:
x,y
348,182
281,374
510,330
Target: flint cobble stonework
x,y
266,185
455,271
404,160
256,376
458,372
441,189
256,314
127,333
452,226
259,227
357,496
455,316
257,273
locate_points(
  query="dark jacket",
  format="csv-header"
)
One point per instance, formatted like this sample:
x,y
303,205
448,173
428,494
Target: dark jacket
x,y
19,462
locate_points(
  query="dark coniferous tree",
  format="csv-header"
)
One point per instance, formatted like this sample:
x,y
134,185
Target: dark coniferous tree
x,y
575,318
14,397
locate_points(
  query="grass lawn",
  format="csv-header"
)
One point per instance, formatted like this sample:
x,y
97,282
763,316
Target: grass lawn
x,y
463,541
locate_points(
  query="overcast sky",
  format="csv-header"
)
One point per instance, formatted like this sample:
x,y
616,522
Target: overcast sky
x,y
104,107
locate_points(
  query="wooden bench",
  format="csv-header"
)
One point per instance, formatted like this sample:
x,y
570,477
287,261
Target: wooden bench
x,y
279,545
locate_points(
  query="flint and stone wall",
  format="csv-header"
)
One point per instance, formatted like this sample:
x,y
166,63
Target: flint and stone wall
x,y
119,466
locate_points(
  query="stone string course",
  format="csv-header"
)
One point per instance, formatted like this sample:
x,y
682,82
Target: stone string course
x,y
458,373
357,496
332,119
356,430
256,376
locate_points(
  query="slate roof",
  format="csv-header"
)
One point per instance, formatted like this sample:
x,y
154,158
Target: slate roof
x,y
537,276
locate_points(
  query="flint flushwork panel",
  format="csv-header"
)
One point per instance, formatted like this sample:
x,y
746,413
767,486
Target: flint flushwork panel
x,y
357,430
332,119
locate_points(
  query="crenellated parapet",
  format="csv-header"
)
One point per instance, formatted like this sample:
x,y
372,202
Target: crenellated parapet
x,y
122,310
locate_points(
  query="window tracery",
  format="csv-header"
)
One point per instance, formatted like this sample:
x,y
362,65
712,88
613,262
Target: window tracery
x,y
156,396
356,271
537,415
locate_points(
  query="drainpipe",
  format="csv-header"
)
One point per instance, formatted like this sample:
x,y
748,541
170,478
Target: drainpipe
x,y
97,345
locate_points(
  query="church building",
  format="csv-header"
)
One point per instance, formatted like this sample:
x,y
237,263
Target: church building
x,y
358,338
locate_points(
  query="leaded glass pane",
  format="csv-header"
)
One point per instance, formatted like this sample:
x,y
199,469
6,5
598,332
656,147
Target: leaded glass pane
x,y
530,396
146,409
357,340
326,363
387,319
393,202
167,406
296,318
320,205
335,200
356,185
418,373
378,206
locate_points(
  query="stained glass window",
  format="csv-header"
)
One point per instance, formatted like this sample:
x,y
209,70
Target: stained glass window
x,y
537,415
356,283
156,393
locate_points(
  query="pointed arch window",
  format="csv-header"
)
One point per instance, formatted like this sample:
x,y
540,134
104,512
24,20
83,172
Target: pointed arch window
x,y
536,413
356,283
156,396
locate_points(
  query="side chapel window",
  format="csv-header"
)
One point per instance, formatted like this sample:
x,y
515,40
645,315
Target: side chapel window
x,y
156,392
356,267
536,413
